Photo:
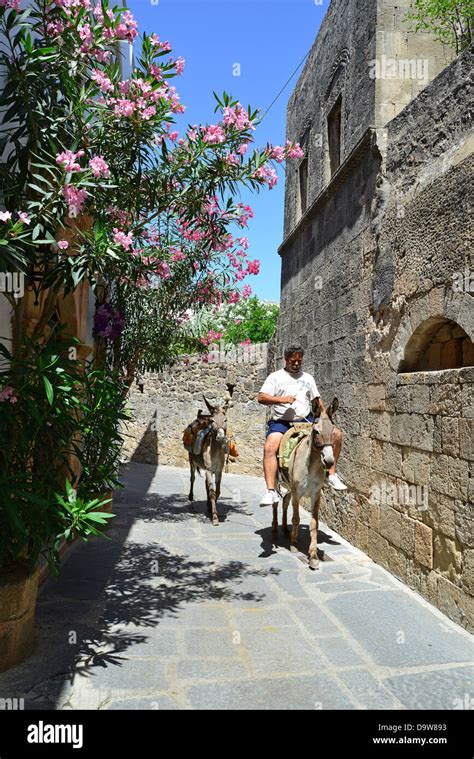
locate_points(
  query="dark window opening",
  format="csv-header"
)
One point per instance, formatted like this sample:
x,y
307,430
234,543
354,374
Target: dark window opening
x,y
334,135
303,175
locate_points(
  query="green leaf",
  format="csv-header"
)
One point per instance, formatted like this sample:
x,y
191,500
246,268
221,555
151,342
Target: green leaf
x,y
49,390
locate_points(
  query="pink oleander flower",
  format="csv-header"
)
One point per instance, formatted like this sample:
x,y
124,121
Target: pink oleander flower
x,y
233,297
242,149
253,267
68,160
213,134
163,270
103,81
247,341
122,239
54,28
232,159
127,29
177,255
99,167
147,113
5,216
267,174
211,337
103,56
86,35
23,216
173,136
237,117
156,72
75,198
293,150
63,244
246,291
278,153
243,242
8,394
179,65
15,4
124,107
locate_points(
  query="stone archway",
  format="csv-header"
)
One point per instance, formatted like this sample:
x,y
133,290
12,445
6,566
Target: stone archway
x,y
424,317
437,343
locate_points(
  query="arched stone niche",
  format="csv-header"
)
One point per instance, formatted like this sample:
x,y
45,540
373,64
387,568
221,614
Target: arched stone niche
x,y
441,315
437,343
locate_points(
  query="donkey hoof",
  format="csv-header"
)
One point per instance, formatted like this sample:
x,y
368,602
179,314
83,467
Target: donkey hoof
x,y
313,563
294,549
215,521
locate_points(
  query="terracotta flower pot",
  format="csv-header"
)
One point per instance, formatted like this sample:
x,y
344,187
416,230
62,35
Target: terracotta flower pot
x,y
18,590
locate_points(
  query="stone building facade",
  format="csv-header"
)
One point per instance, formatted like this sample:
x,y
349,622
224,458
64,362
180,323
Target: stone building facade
x,y
170,400
377,284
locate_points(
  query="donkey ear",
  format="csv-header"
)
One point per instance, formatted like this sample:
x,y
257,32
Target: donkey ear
x,y
208,404
331,410
316,406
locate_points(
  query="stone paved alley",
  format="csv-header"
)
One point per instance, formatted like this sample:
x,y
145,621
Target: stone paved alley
x,y
176,614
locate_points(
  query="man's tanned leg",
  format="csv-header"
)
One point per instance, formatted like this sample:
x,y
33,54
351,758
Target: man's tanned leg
x,y
270,461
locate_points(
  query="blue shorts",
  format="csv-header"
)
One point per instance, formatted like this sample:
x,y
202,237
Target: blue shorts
x,y
281,425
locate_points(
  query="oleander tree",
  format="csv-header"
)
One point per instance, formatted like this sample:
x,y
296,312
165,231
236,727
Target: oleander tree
x,y
100,186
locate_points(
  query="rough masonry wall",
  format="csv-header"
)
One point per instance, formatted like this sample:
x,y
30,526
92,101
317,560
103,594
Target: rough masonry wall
x,y
170,401
336,64
401,239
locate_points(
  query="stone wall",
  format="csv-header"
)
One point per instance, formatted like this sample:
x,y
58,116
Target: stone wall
x,y
372,277
368,58
171,399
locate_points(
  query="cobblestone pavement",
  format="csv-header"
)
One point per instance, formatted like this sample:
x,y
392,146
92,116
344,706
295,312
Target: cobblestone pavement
x,y
174,613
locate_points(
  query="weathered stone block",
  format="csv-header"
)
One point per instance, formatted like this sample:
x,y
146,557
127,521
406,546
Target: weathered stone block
x,y
450,436
424,544
467,577
416,466
464,523
378,548
466,439
467,401
447,557
380,425
412,399
446,400
455,603
413,430
376,397
449,476
386,458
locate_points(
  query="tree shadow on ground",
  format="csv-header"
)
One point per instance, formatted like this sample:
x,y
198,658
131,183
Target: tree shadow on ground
x,y
106,586
178,508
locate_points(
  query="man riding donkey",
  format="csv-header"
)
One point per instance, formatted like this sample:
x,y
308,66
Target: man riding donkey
x,y
290,392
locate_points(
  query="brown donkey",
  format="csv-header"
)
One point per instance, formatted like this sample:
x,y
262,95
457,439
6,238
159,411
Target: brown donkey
x,y
307,472
211,459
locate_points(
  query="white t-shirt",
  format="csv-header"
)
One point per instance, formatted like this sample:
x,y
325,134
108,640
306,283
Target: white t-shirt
x,y
301,385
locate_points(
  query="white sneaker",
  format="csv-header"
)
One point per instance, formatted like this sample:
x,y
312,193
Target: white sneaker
x,y
269,497
336,483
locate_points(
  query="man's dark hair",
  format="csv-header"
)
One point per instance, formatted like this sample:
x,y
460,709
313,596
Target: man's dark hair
x,y
293,349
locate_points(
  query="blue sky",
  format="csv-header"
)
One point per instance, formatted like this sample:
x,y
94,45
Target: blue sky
x,y
268,38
